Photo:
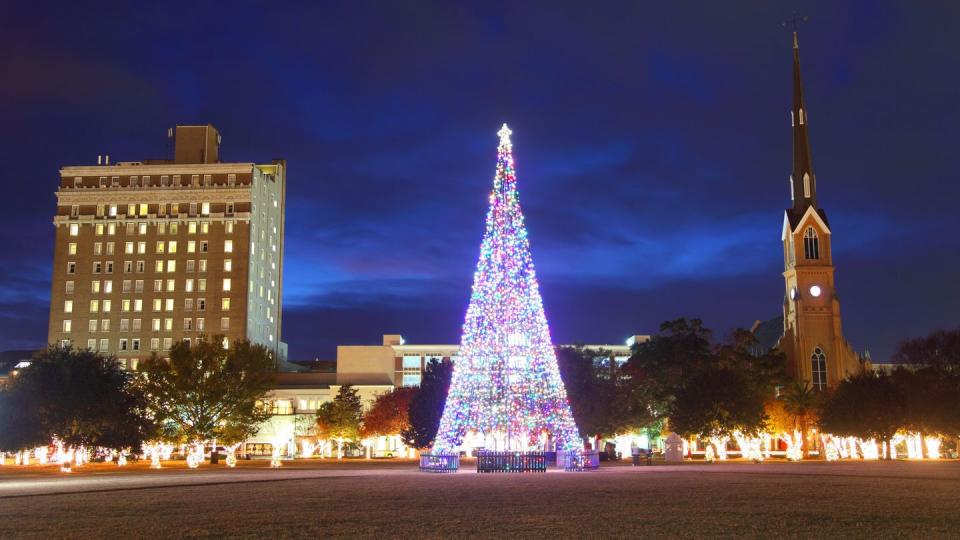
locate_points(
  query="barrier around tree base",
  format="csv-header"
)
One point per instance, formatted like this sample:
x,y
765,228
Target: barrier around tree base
x,y
439,463
511,462
578,460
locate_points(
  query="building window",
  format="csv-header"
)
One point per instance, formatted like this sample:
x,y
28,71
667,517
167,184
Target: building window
x,y
205,208
155,325
225,304
811,244
819,369
188,325
74,229
201,285
69,287
201,304
203,265
136,325
228,246
136,344
104,345
67,326
204,227
282,406
68,306
71,268
204,247
411,370
226,284
154,344
200,324
188,304
227,265
224,323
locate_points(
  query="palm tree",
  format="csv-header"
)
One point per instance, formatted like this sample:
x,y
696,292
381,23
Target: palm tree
x,y
801,402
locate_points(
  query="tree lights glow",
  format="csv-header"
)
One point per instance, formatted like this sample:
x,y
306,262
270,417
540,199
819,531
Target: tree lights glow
x,y
506,386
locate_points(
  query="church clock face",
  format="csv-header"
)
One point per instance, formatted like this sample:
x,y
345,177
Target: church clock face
x,y
815,290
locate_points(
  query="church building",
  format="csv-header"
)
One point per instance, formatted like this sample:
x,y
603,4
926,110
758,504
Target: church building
x,y
812,338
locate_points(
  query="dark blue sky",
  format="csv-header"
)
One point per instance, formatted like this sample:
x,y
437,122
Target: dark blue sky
x,y
652,148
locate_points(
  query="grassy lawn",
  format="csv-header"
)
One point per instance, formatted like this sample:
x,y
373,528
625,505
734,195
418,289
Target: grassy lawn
x,y
389,499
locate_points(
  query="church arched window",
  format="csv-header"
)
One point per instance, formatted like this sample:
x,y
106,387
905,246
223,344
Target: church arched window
x,y
806,185
811,244
802,119
818,361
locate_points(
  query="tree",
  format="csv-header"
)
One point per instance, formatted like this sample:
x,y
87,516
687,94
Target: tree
x,y
390,413
77,397
802,403
339,419
426,406
868,406
939,350
931,399
670,358
605,401
506,382
716,402
206,391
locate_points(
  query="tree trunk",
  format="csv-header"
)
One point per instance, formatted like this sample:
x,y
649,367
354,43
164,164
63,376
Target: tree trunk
x,y
214,456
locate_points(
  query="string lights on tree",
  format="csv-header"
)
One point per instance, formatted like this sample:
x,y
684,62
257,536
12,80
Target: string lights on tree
x,y
506,391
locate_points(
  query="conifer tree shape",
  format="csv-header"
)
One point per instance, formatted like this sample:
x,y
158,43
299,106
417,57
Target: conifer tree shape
x,y
506,391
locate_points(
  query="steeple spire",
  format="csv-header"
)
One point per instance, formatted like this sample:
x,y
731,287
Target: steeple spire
x,y
803,181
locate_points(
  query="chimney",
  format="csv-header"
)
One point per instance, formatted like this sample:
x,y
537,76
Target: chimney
x,y
99,159
107,160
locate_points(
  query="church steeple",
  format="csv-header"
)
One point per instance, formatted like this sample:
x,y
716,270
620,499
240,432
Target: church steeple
x,y
803,181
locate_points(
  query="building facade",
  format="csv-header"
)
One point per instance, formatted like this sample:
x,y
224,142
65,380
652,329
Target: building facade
x,y
370,369
148,253
812,338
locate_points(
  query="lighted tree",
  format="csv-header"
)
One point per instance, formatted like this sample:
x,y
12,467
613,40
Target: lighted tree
x,y
390,413
206,391
506,388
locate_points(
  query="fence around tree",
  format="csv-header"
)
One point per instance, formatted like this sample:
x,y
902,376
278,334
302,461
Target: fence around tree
x,y
513,462
578,460
439,463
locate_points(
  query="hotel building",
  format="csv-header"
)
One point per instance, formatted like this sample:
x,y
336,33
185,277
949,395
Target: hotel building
x,y
148,253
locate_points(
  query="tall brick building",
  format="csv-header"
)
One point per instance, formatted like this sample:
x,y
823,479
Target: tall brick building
x,y
151,252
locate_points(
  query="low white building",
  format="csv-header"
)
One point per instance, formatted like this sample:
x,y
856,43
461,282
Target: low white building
x,y
372,370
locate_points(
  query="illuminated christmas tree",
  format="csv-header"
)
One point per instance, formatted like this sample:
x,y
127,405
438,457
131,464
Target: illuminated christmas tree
x,y
506,391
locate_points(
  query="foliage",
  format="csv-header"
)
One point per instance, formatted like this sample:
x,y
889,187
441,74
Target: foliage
x,y
76,396
931,400
206,391
671,375
340,419
868,406
939,350
390,413
716,402
604,400
426,406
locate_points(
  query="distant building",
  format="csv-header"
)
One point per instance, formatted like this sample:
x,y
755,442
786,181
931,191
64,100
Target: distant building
x,y
370,369
812,335
148,253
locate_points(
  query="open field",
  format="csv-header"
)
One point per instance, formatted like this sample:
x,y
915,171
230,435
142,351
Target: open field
x,y
392,499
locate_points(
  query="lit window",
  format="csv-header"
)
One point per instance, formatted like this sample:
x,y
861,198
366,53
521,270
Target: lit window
x,y
203,265
67,325
172,246
225,304
94,306
141,247
200,324
191,246
155,325
111,229
228,227
169,303
819,369
74,229
113,211
104,345
226,284
192,227
136,325
201,285
157,304
154,344
204,227
138,305
69,287
227,265
160,246
68,306
106,306
108,286
72,248
92,325
228,246
171,285
171,266
205,208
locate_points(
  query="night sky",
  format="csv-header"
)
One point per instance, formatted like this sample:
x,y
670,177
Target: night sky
x,y
652,147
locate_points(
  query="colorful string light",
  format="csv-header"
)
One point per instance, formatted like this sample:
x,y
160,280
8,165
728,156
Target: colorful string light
x,y
506,389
